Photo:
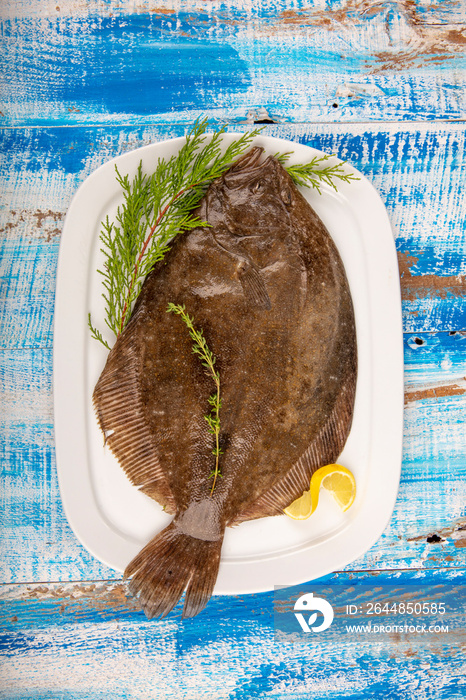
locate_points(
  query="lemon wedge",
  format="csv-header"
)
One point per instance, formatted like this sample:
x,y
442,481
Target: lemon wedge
x,y
302,508
333,477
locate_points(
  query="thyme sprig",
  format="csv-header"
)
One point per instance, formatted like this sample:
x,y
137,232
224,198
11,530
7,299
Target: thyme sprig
x,y
208,359
158,206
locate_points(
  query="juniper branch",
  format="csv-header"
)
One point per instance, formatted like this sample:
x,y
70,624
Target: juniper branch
x,y
312,174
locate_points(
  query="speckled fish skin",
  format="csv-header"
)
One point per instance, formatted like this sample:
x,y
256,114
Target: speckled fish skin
x,y
267,286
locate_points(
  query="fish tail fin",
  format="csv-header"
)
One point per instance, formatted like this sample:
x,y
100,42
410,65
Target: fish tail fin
x,y
170,563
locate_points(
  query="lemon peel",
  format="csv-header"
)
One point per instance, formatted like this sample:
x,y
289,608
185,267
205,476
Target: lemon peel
x,y
334,478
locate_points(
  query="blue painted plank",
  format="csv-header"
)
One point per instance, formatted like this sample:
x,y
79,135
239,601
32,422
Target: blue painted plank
x,y
44,167
36,606
27,293
302,62
73,640
434,357
39,543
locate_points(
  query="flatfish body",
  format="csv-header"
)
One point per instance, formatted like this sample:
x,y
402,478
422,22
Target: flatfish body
x,y
266,285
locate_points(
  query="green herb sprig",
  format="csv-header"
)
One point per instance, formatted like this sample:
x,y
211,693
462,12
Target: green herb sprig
x,y
208,359
312,174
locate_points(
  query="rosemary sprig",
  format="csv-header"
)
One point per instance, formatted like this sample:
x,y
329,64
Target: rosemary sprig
x,y
156,207
202,350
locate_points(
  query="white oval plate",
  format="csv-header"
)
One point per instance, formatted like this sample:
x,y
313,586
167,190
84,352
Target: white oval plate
x,y
111,518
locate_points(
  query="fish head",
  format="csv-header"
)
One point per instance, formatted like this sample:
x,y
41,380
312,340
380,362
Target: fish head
x,y
253,198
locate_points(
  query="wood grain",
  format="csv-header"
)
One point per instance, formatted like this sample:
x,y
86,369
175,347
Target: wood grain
x,y
350,60
93,641
413,169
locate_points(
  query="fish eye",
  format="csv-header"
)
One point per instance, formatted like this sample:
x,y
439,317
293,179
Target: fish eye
x,y
286,195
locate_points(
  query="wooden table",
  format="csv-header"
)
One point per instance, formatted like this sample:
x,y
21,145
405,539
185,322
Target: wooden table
x,y
378,83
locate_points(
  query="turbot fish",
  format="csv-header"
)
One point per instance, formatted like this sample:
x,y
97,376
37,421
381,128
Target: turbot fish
x,y
265,283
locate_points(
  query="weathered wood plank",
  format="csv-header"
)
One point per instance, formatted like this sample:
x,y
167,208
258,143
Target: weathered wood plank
x,y
77,640
415,168
33,519
345,60
427,529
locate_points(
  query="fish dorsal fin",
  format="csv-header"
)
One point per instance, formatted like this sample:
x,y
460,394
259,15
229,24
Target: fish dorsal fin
x,y
253,285
121,419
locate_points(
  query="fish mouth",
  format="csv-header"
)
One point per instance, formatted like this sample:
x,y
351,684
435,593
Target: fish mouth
x,y
248,160
245,167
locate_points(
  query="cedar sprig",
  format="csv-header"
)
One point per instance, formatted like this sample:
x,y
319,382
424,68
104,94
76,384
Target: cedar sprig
x,y
155,208
96,334
208,359
312,174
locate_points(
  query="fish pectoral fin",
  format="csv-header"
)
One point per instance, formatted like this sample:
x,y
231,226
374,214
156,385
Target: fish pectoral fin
x,y
253,285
